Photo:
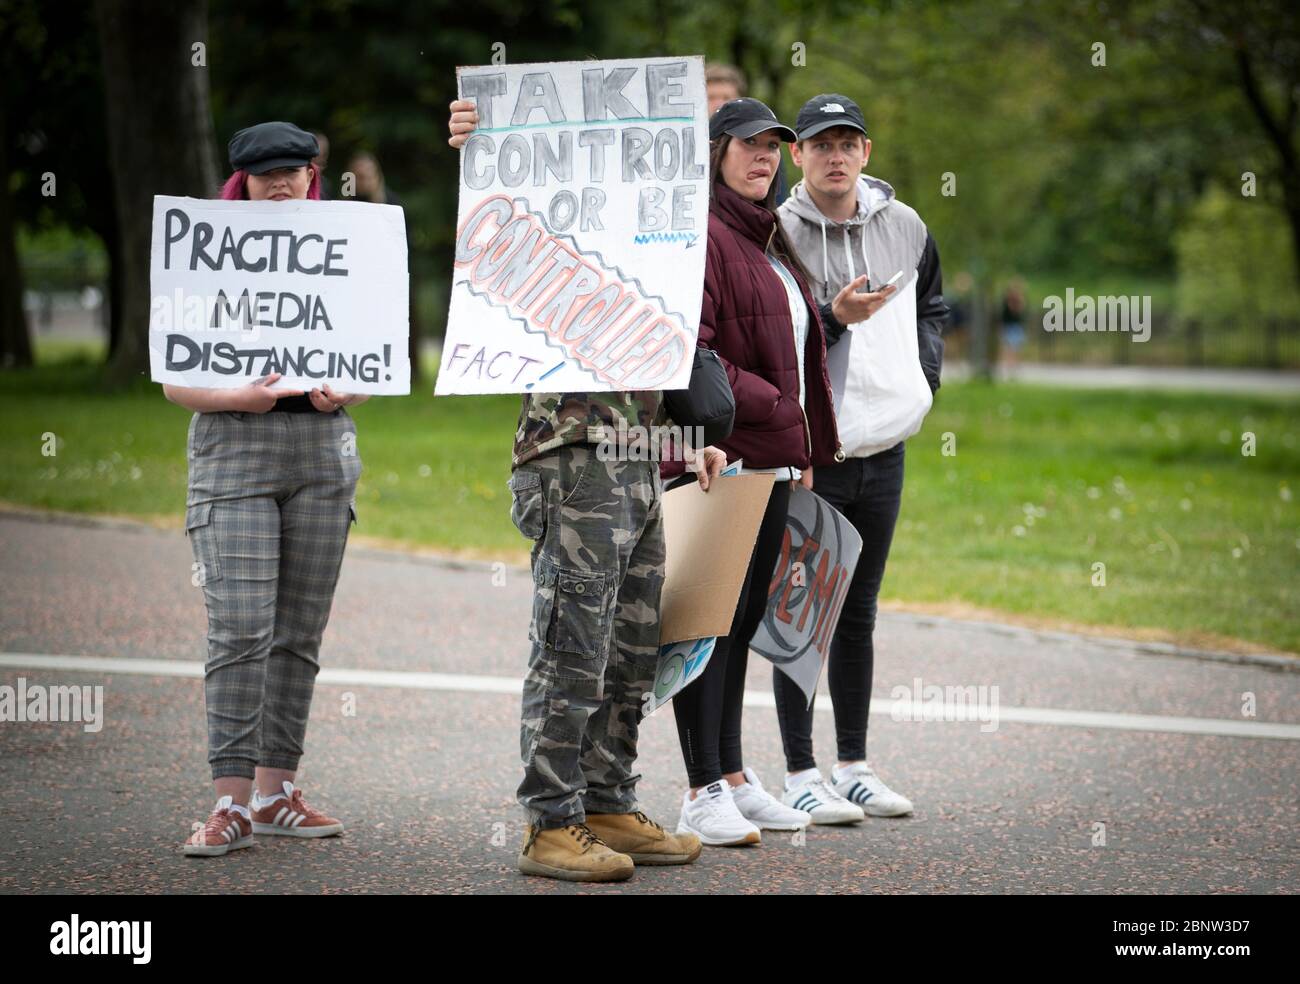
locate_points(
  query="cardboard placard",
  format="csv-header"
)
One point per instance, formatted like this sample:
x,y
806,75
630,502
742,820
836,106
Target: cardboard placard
x,y
819,552
709,538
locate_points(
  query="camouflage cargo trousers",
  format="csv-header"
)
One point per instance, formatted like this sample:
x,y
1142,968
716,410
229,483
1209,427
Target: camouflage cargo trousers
x,y
598,564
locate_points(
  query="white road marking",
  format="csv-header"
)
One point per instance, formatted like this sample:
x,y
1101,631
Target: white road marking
x,y
470,683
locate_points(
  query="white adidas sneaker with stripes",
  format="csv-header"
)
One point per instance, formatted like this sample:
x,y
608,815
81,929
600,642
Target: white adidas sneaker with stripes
x,y
859,784
815,796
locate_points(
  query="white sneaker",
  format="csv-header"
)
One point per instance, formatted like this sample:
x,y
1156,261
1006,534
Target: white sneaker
x,y
815,796
763,809
713,818
861,785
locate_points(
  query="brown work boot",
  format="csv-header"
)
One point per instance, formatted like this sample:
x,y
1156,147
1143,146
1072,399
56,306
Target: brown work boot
x,y
572,853
643,840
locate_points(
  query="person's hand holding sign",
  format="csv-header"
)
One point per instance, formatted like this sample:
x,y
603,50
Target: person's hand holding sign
x,y
327,400
464,118
256,397
708,462
850,307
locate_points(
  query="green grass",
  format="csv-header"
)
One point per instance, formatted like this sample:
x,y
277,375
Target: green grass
x,y
1197,539
434,471
1200,543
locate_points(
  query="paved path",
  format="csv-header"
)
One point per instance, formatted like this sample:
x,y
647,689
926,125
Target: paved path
x,y
1250,382
1194,796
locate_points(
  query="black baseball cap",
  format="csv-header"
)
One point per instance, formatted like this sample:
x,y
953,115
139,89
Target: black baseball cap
x,y
744,118
827,110
266,146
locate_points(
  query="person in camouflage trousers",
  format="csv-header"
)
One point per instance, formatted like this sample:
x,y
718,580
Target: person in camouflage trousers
x,y
591,504
597,563
594,515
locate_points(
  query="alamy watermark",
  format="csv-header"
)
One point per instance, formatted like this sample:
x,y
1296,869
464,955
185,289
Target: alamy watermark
x,y
102,937
1085,312
59,703
653,442
248,312
931,702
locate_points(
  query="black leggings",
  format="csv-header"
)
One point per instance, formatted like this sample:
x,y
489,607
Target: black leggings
x,y
867,491
708,711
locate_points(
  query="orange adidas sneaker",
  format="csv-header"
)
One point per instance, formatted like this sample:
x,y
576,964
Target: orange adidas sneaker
x,y
289,816
225,831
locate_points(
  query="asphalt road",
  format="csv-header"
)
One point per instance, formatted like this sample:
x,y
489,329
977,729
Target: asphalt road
x,y
1194,796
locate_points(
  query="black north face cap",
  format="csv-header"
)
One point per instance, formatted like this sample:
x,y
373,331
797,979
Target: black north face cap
x,y
266,146
744,118
827,110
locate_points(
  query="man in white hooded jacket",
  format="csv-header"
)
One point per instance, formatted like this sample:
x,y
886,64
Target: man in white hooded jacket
x,y
875,270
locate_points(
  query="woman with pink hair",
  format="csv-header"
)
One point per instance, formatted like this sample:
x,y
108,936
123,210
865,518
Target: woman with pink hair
x,y
272,486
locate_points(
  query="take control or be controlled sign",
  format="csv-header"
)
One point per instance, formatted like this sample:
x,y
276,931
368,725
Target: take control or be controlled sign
x,y
580,241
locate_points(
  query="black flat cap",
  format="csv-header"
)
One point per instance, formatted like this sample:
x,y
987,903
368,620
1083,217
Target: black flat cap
x,y
266,146
745,117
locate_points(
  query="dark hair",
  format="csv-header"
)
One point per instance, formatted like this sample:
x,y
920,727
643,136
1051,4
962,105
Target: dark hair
x,y
780,245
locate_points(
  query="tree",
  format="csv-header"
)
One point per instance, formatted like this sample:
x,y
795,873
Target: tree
x,y
15,340
1251,49
159,137
52,160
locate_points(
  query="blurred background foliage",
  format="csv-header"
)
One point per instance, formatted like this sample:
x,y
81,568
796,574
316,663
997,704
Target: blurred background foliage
x,y
1124,177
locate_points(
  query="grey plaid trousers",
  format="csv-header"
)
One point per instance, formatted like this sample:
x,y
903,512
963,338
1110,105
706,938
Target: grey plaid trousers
x,y
270,500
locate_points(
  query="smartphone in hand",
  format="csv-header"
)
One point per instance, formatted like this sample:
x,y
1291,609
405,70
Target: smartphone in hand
x,y
888,283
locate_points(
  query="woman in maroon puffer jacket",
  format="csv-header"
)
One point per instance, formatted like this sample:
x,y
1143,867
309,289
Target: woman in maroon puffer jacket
x,y
760,317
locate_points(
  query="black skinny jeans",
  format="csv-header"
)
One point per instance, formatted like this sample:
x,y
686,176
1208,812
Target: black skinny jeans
x,y
708,711
867,491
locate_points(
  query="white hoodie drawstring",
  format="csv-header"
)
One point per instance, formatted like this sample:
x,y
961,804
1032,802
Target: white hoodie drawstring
x,y
866,264
848,255
826,267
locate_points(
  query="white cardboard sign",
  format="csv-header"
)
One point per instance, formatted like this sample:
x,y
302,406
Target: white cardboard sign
x,y
579,254
316,291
